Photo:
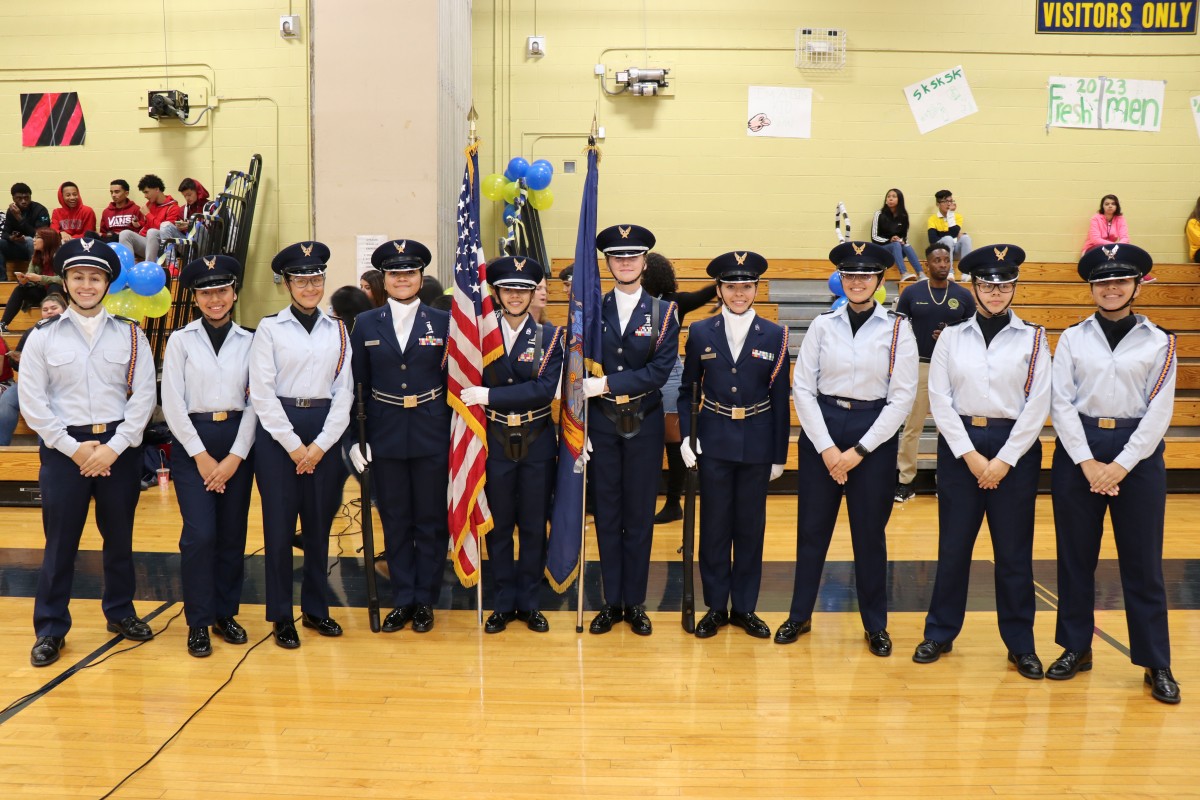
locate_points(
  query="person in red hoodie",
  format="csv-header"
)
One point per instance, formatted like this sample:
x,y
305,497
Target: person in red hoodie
x,y
122,213
195,197
72,218
162,212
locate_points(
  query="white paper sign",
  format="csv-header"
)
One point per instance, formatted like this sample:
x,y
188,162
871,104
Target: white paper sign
x,y
941,99
779,111
1196,112
1105,104
364,245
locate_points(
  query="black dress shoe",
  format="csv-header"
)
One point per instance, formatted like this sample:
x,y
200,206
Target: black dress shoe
x,y
498,621
713,621
1028,665
45,650
791,630
930,651
1070,662
199,645
1163,686
132,628
229,628
398,618
639,623
671,512
603,622
326,626
534,620
879,643
285,635
422,619
751,624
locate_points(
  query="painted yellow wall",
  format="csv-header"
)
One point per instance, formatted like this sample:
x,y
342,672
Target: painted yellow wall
x,y
225,52
684,166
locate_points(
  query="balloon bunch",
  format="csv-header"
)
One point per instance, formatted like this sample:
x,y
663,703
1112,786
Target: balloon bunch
x,y
140,290
839,291
520,178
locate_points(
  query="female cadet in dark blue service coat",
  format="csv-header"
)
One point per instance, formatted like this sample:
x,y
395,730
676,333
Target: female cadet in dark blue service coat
x,y
206,370
1113,396
517,390
989,388
400,361
853,386
87,389
743,366
300,389
640,342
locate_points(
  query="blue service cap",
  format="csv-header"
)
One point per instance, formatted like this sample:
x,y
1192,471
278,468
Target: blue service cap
x,y
624,240
301,258
401,255
515,272
735,267
994,263
1110,262
211,272
861,257
87,252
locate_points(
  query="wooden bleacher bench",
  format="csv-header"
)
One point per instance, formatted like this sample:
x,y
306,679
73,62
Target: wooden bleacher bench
x,y
19,464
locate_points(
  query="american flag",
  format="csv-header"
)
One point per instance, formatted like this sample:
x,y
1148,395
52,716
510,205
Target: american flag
x,y
475,341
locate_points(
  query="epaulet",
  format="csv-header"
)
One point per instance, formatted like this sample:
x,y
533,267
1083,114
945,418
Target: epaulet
x,y
248,330
126,320
957,322
1075,324
894,313
47,321
830,311
1164,330
269,316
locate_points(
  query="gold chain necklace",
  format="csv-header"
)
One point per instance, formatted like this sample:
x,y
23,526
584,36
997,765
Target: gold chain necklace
x,y
935,302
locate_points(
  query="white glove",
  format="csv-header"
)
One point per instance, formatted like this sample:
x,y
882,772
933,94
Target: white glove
x,y
586,455
475,396
357,458
776,470
594,387
685,450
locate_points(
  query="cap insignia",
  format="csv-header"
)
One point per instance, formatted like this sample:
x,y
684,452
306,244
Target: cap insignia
x,y
1112,254
86,244
1000,254
624,231
858,248
307,250
211,263
740,259
400,247
519,265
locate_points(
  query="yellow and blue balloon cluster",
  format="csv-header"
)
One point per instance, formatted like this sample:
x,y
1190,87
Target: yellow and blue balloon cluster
x,y
520,178
139,290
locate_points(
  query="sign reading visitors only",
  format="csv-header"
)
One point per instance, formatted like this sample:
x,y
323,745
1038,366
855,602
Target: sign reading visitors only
x,y
1116,16
1105,103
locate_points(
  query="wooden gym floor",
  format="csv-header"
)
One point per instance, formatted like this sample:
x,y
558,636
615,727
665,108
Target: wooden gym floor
x,y
457,713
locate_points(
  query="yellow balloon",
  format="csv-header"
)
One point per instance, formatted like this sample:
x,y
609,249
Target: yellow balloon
x,y
492,187
541,199
880,294
511,191
157,305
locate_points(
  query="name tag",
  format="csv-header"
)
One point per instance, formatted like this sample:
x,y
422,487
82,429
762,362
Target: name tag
x,y
372,343
430,341
707,356
763,354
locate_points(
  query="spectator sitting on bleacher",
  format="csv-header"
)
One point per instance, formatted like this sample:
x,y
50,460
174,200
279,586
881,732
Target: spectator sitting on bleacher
x,y
33,285
889,229
122,213
162,212
21,222
195,197
72,218
371,282
946,226
1193,234
52,306
1107,225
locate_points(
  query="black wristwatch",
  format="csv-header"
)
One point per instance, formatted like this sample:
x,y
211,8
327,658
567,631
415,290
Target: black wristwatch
x,y
862,451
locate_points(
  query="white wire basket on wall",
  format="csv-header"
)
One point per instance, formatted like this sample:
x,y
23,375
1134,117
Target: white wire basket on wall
x,y
820,48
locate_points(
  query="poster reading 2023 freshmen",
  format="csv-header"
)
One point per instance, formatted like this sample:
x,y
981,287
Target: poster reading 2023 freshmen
x,y
1105,104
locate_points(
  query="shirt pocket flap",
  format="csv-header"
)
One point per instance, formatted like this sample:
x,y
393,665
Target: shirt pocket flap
x,y
60,358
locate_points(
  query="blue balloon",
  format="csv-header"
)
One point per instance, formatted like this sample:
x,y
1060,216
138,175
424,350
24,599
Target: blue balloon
x,y
516,169
539,175
510,211
147,279
122,279
124,254
835,284
839,302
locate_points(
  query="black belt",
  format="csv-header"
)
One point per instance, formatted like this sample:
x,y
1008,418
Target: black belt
x,y
985,422
91,430
514,420
850,404
407,400
736,412
1109,423
306,402
216,416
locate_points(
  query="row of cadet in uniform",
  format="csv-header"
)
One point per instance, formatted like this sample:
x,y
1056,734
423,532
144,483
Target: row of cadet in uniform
x,y
289,386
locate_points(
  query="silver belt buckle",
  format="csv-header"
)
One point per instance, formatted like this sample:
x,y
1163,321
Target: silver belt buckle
x,y
100,427
846,404
513,420
1107,423
737,412
220,416
303,402
410,401
979,422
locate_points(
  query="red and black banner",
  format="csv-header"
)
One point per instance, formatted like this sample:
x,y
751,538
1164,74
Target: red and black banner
x,y
53,119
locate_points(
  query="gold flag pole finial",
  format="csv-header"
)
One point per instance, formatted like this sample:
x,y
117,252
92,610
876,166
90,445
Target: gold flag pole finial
x,y
472,115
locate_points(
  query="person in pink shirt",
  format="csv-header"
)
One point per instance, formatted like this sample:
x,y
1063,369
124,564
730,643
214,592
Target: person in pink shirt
x,y
1107,225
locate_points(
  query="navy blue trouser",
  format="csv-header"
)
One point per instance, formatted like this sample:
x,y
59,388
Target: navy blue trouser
x,y
868,491
732,525
1009,508
66,496
212,544
517,493
412,504
624,474
1137,521
286,496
